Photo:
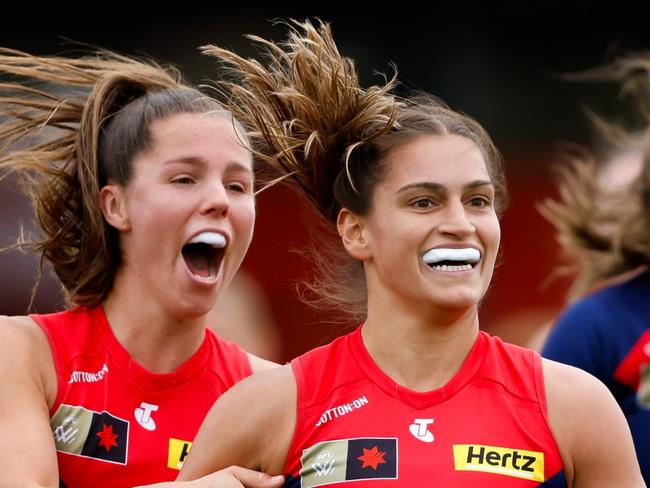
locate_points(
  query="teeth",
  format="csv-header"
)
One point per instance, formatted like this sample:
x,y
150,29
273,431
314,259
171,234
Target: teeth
x,y
444,267
213,239
467,255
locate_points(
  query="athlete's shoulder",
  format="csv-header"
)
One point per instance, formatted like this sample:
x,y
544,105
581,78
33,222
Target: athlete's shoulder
x,y
22,333
511,367
16,330
277,386
586,443
228,361
25,351
69,328
74,332
323,370
27,391
499,353
262,407
333,350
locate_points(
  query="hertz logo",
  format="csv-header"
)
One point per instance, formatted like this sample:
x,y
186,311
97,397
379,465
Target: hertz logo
x,y
178,451
499,460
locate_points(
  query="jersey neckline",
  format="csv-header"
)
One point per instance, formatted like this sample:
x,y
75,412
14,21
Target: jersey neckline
x,y
416,399
139,374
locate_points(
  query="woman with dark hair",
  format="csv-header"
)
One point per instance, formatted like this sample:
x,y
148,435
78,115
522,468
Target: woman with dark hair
x,y
143,190
417,395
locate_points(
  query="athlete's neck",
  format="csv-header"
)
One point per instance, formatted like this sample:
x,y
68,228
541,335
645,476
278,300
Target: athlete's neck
x,y
155,340
420,352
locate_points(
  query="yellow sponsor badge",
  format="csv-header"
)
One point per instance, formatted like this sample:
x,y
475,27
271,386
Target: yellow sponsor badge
x,y
178,451
499,460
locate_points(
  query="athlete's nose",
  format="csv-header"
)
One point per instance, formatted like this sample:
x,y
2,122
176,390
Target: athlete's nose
x,y
455,220
216,200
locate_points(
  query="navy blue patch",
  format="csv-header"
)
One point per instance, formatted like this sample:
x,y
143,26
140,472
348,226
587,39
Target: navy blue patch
x,y
557,481
291,482
371,458
107,438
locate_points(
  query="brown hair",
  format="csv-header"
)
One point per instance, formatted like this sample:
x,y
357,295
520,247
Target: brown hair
x,y
68,126
605,232
321,128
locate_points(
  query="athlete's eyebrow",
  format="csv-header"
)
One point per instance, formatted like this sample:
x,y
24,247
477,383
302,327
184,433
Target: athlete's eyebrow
x,y
427,185
437,187
198,161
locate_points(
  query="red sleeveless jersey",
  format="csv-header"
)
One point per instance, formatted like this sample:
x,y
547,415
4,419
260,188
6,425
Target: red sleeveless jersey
x,y
487,427
115,424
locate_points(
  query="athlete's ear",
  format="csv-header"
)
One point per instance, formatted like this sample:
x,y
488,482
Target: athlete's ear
x,y
113,204
352,230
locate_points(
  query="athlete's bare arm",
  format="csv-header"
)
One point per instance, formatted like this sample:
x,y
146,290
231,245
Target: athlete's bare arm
x,y
232,477
27,390
590,429
251,425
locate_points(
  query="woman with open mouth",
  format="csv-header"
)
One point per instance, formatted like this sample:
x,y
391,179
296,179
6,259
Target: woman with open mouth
x,y
417,395
143,189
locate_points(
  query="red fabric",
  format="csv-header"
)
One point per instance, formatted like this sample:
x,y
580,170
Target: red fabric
x,y
629,370
95,372
496,400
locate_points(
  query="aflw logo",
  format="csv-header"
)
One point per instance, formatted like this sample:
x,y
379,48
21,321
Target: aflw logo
x,y
324,464
499,460
67,431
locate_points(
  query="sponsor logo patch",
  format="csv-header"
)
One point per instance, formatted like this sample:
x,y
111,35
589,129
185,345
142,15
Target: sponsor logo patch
x,y
349,460
341,410
420,430
178,451
88,376
97,435
499,460
143,415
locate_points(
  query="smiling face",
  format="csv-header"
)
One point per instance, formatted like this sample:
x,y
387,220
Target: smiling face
x,y
189,213
436,200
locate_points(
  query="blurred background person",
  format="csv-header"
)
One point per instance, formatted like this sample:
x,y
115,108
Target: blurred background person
x,y
589,185
603,224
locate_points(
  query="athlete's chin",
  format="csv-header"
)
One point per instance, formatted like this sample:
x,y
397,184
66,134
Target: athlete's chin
x,y
189,306
183,315
458,300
